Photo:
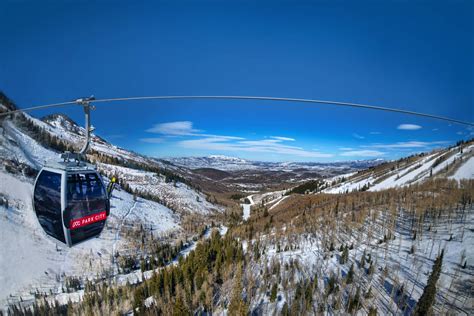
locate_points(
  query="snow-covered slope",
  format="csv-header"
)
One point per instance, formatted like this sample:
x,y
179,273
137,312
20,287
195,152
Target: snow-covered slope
x,y
18,145
456,163
178,196
64,128
408,262
14,144
31,261
466,171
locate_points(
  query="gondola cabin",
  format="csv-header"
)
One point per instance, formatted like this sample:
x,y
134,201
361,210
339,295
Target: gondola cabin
x,y
70,201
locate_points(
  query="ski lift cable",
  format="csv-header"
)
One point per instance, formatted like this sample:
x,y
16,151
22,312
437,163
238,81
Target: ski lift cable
x,y
39,107
256,98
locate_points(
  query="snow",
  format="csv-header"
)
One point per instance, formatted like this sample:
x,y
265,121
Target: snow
x,y
178,196
246,208
447,162
137,276
418,170
466,171
226,163
411,270
349,186
223,230
30,259
27,150
227,158
278,202
26,257
159,217
415,172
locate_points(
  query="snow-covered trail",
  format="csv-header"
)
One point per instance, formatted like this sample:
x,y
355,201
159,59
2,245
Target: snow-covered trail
x,y
137,276
250,197
466,171
279,201
117,235
247,207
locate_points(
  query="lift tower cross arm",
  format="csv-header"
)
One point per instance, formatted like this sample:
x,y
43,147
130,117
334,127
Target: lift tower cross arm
x,y
85,102
86,105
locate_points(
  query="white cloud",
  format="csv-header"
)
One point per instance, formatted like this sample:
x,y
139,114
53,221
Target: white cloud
x,y
363,153
358,136
375,133
345,148
202,141
272,146
180,128
408,127
283,138
410,144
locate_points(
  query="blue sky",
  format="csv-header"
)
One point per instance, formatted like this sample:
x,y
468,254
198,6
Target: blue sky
x,y
414,55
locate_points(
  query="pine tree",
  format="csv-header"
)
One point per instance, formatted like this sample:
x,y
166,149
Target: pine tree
x,y
426,300
362,260
274,292
285,310
344,256
350,275
237,305
179,308
354,302
308,296
372,311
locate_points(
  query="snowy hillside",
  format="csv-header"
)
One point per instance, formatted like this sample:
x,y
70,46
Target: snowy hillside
x,y
64,128
456,162
178,196
402,264
32,262
24,149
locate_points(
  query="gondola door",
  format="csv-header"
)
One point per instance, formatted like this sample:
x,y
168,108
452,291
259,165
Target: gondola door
x,y
49,202
86,206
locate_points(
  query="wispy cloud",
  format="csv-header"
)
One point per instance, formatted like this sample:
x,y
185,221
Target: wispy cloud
x,y
375,133
273,146
345,148
355,135
283,138
410,144
408,127
362,153
198,139
180,128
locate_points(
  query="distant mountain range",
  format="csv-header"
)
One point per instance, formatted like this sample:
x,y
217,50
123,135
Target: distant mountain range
x,y
227,163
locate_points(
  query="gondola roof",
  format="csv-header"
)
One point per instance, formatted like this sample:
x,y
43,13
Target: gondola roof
x,y
71,166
